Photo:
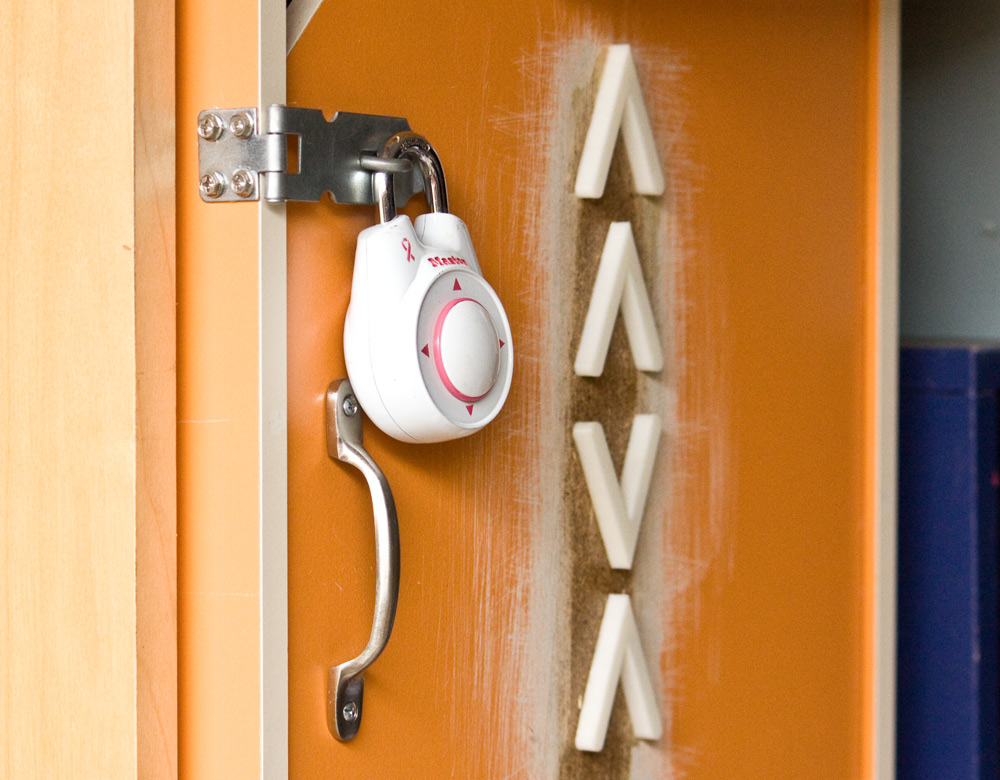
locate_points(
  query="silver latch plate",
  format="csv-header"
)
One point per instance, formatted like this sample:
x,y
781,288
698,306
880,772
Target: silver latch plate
x,y
329,155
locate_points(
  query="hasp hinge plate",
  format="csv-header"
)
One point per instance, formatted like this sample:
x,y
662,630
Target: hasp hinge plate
x,y
241,158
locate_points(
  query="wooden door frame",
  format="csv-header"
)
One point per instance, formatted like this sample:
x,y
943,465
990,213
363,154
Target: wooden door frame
x,y
88,454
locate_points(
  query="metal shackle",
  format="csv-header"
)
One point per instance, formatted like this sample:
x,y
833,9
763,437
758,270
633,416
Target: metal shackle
x,y
416,148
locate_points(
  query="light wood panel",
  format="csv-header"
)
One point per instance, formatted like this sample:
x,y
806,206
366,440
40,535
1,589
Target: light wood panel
x,y
86,391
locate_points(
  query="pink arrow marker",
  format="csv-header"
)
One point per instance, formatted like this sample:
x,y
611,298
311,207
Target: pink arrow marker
x,y
457,285
470,410
426,350
501,343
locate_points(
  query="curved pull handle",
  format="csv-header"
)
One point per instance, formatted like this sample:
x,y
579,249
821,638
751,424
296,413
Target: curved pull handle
x,y
346,682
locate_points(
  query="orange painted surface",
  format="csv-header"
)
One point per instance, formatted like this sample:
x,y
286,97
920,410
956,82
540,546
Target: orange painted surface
x,y
765,662
873,290
217,411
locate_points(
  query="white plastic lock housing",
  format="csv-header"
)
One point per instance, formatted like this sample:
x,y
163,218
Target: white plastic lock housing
x,y
427,341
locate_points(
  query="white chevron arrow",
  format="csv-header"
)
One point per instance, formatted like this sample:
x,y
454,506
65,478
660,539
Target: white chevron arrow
x,y
618,655
619,506
619,104
619,284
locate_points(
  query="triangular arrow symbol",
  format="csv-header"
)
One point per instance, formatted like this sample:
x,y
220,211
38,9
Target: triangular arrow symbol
x,y
619,104
501,343
470,410
619,506
619,283
457,285
617,656
426,350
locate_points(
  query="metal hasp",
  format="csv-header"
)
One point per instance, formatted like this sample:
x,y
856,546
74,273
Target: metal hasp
x,y
240,156
346,682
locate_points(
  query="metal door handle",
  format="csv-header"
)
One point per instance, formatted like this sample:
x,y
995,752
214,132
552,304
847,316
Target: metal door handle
x,y
346,682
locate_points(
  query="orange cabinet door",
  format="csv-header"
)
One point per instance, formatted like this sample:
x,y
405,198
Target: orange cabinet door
x,y
755,584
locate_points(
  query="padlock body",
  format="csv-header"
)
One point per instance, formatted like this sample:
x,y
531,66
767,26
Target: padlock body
x,y
426,339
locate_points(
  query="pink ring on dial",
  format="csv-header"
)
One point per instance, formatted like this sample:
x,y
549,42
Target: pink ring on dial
x,y
466,349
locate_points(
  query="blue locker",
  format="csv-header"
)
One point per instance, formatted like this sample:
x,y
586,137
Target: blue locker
x,y
947,706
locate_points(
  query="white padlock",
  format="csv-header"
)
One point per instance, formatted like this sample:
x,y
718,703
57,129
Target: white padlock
x,y
427,341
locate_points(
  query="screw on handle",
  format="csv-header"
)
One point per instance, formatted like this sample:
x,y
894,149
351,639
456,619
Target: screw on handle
x,y
346,682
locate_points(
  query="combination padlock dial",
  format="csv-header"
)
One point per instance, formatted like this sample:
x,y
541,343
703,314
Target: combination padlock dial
x,y
426,339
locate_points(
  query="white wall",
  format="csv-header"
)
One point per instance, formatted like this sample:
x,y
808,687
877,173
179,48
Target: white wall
x,y
950,169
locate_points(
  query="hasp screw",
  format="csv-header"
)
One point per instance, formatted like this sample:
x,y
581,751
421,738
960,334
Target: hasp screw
x,y
241,125
210,127
243,183
212,185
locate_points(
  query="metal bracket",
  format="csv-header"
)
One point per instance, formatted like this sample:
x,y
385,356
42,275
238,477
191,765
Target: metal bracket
x,y
238,159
